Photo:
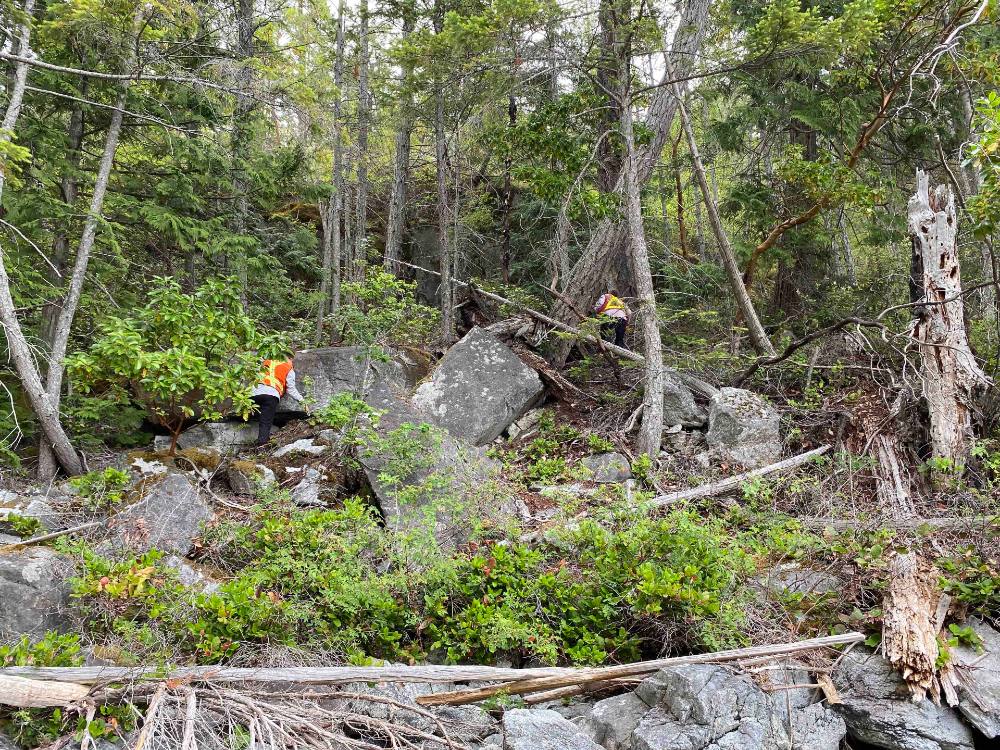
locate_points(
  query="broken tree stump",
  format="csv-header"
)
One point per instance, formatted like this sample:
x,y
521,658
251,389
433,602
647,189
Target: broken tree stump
x,y
910,627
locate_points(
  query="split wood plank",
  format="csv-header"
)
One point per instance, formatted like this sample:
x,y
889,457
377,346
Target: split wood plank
x,y
21,692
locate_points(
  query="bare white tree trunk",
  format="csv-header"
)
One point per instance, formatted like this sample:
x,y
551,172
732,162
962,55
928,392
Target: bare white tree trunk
x,y
326,224
245,30
743,302
444,244
364,115
952,378
651,432
337,218
71,301
20,352
396,222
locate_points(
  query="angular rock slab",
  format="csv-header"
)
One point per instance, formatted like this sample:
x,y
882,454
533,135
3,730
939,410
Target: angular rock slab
x,y
224,437
543,729
679,406
613,720
877,709
608,468
321,374
34,593
979,694
478,389
743,428
423,477
167,517
706,707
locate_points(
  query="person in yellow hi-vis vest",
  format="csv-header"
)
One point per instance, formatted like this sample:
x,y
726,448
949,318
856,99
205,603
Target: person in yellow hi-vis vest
x,y
614,316
278,377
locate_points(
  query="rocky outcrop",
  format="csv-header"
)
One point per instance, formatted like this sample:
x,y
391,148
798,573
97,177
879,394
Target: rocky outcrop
x,y
245,477
706,707
168,516
33,592
878,711
979,693
679,406
743,428
321,374
478,389
543,729
307,492
302,446
423,477
613,720
224,437
606,468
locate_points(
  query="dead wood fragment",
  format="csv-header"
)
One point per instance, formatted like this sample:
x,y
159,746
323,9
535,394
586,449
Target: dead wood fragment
x,y
825,683
733,483
21,692
909,627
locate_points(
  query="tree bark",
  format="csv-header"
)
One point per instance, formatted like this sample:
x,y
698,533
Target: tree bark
x,y
508,195
587,275
743,302
396,222
909,627
20,352
441,157
364,115
245,31
952,378
336,250
651,432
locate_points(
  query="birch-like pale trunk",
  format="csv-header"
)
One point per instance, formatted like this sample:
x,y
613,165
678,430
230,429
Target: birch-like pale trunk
x,y
338,166
20,352
444,244
326,227
952,378
587,275
396,222
743,302
364,115
651,432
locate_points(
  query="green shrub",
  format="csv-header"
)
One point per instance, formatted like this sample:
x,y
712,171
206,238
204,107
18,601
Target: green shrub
x,y
101,489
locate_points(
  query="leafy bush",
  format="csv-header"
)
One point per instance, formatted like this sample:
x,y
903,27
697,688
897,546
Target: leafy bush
x,y
181,356
381,310
100,489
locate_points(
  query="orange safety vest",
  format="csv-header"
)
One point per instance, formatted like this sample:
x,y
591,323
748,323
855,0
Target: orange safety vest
x,y
276,373
611,302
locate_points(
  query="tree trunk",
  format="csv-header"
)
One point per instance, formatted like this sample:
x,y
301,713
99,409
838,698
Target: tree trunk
x,y
337,217
587,275
850,267
761,344
20,351
396,222
952,378
508,195
651,433
245,30
612,67
326,225
679,192
441,157
364,115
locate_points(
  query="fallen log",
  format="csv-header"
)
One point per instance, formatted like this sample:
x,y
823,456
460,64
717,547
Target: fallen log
x,y
603,674
909,626
24,693
48,537
948,523
724,486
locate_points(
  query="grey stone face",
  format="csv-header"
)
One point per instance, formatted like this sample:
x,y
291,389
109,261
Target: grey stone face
x,y
321,374
743,428
432,482
168,517
224,437
980,694
34,594
608,467
679,406
478,389
613,720
306,492
877,709
542,729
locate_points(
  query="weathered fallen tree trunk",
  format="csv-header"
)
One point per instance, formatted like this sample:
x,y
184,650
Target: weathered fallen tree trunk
x,y
909,625
732,483
949,523
603,674
24,693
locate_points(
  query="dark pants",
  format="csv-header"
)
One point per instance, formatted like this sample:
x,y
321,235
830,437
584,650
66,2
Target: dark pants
x,y
267,405
617,325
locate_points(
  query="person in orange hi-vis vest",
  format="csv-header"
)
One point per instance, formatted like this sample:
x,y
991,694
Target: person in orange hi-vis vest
x,y
614,316
278,377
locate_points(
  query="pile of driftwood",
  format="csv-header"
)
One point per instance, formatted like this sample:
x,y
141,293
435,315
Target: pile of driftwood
x,y
308,707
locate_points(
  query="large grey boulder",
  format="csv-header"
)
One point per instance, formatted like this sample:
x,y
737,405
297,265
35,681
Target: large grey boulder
x,y
979,693
321,374
613,720
608,468
43,508
6,743
424,479
478,389
224,437
34,593
543,729
743,428
706,707
679,406
168,516
800,581
878,710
